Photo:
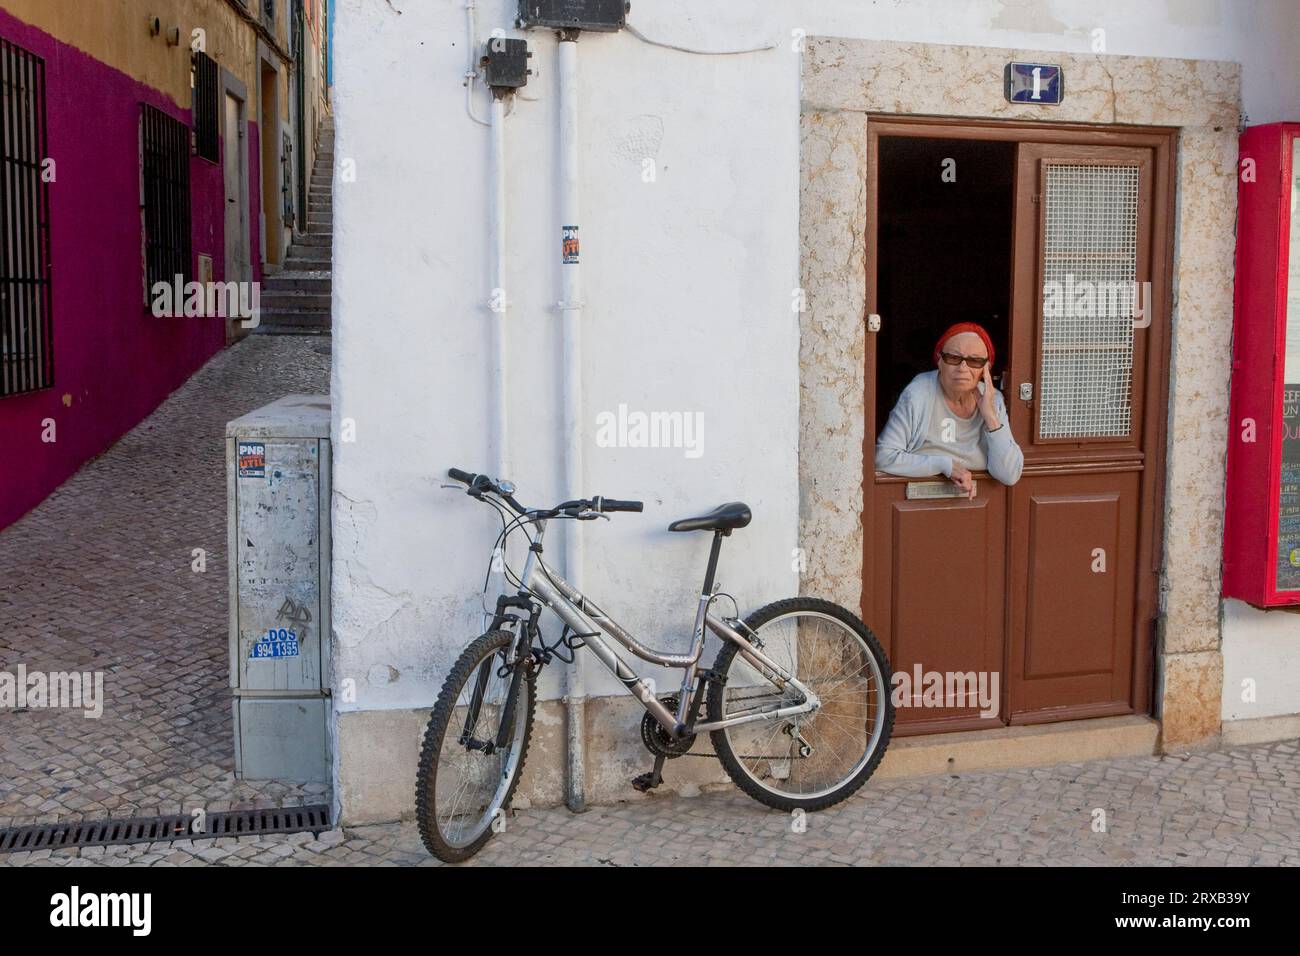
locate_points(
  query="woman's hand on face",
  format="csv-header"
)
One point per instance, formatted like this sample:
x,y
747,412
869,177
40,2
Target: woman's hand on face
x,y
988,403
963,479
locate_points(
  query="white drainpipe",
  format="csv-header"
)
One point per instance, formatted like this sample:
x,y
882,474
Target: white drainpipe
x,y
571,331
498,299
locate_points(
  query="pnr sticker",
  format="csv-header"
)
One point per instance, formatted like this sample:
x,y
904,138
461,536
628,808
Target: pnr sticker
x,y
277,642
252,459
569,246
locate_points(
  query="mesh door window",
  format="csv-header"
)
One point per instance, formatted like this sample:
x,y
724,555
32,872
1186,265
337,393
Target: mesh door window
x,y
1089,272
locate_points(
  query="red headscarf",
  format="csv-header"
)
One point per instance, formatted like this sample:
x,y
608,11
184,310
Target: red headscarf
x,y
958,329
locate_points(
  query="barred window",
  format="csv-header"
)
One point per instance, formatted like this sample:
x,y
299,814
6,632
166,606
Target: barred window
x,y
207,131
26,347
165,197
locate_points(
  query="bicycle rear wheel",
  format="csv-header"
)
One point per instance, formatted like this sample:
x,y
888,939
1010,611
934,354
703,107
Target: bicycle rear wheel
x,y
808,761
469,767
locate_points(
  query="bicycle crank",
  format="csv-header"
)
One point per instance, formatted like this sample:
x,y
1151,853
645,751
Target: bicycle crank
x,y
657,740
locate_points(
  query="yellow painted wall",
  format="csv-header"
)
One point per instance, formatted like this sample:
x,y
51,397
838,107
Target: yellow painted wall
x,y
117,33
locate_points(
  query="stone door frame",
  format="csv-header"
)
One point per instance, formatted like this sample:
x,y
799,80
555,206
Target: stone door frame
x,y
844,82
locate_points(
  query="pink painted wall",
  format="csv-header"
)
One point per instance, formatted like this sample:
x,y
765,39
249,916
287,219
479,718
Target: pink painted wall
x,y
113,361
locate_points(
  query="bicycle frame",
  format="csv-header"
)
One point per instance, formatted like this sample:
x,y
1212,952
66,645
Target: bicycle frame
x,y
591,623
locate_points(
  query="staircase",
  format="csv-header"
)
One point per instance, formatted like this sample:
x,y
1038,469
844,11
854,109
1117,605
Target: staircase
x,y
296,301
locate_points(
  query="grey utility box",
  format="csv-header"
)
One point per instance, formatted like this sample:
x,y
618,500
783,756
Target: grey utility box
x,y
278,500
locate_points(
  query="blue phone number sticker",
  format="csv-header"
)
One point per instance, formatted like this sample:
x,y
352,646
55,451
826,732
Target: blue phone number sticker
x,y
277,642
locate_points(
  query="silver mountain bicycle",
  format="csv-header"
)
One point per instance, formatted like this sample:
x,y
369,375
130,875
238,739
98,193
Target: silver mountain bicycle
x,y
797,702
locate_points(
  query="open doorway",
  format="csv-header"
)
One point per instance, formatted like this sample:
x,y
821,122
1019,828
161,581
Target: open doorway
x,y
1048,237
272,221
945,246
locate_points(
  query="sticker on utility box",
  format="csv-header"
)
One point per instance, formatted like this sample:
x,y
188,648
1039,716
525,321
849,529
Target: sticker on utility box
x,y
252,459
276,643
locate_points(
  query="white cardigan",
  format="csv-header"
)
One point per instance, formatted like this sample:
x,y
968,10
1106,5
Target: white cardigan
x,y
909,423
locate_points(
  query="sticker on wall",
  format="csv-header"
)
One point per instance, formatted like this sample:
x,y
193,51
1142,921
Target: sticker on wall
x,y
276,643
570,246
252,459
1040,83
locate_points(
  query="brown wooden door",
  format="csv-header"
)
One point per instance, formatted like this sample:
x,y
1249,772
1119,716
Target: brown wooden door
x,y
1049,583
1076,393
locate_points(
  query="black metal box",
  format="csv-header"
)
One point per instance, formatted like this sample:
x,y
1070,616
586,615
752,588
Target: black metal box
x,y
606,15
505,62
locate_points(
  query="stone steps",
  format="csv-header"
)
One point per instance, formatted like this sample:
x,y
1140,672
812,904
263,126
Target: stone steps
x,y
298,300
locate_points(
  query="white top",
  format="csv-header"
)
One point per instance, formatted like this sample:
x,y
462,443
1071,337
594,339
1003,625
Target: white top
x,y
910,426
950,434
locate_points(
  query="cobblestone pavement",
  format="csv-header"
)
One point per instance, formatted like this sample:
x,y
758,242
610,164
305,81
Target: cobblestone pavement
x,y
99,578
1237,808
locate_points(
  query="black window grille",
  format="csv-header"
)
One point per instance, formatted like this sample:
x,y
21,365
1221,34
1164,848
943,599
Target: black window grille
x,y
165,158
26,346
207,142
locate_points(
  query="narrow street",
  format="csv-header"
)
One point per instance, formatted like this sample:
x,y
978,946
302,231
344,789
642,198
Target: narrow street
x,y
101,577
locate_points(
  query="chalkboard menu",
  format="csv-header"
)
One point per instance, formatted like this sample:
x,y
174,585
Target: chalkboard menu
x,y
1288,505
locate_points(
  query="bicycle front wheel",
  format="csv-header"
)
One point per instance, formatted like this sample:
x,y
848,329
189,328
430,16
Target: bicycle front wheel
x,y
814,760
474,749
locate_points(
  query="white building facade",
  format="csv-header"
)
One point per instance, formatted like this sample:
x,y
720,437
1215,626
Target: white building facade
x,y
730,195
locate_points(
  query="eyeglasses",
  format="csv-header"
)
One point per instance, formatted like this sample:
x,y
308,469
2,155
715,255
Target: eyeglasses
x,y
974,361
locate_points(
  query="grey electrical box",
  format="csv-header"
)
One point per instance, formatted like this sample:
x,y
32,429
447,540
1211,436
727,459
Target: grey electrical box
x,y
278,499
604,15
505,63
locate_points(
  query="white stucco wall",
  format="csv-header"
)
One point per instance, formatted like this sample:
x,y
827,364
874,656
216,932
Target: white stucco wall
x,y
687,287
1262,647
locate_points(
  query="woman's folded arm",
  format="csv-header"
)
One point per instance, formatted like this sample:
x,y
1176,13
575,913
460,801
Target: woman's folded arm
x,y
892,455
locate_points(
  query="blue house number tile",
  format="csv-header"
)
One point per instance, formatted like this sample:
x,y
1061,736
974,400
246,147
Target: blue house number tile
x,y
1033,83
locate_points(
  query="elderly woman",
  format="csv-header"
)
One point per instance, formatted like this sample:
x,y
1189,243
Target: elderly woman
x,y
952,421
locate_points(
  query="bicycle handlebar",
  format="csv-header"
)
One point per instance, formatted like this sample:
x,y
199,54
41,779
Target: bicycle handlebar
x,y
601,505
614,504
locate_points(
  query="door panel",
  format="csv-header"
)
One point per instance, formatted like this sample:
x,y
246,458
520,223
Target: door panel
x,y
939,600
236,189
1074,566
1083,254
1083,222
1071,589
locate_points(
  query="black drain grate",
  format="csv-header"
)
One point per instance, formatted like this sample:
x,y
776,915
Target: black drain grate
x,y
180,826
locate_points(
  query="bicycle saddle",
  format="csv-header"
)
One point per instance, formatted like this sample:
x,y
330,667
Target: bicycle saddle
x,y
734,514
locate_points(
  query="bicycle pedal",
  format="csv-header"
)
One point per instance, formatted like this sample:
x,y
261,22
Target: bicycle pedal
x,y
644,782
